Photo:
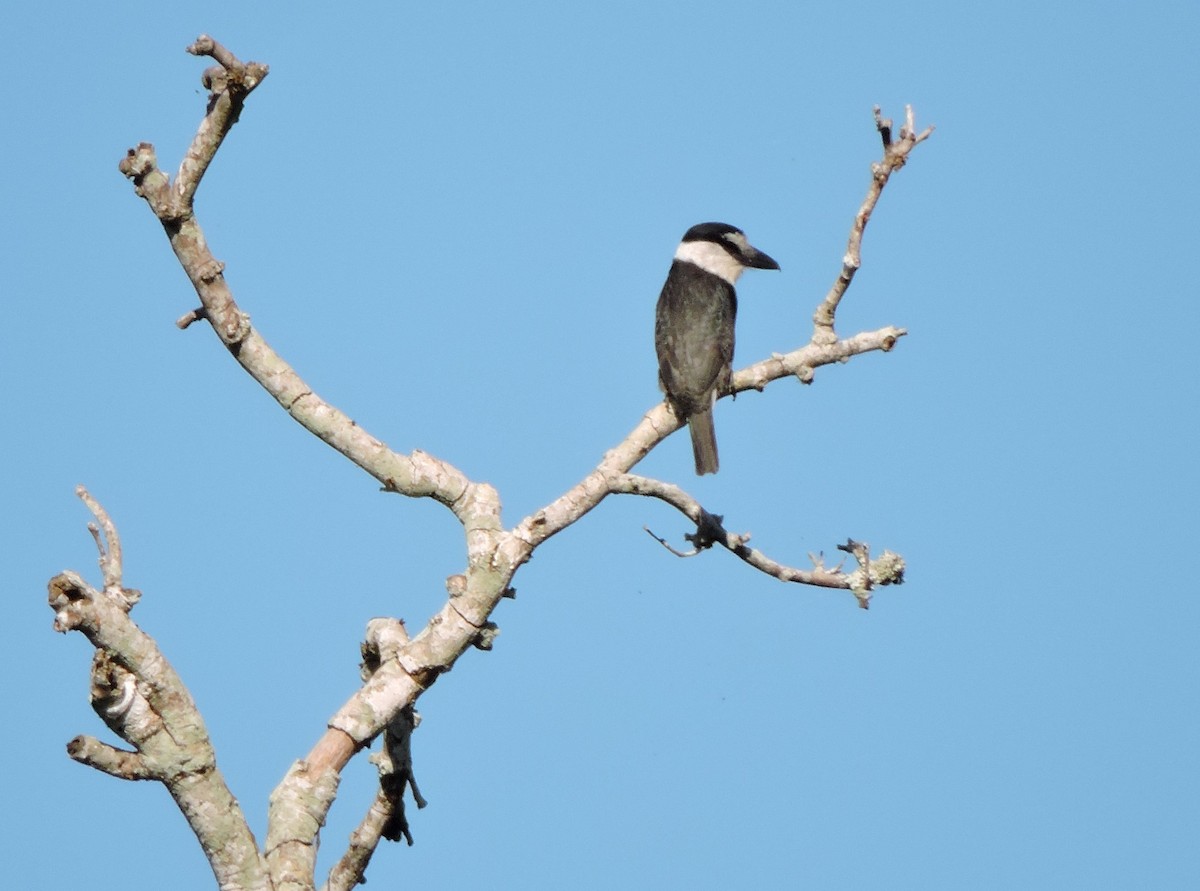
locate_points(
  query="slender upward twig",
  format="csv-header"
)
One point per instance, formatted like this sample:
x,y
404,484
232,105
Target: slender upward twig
x,y
895,155
229,82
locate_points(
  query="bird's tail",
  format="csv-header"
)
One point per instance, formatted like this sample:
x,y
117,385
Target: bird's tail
x,y
704,441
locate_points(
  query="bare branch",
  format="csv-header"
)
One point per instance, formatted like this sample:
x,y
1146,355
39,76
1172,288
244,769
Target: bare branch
x,y
228,84
895,154
137,693
801,363
710,530
422,475
113,761
349,871
660,422
385,818
888,569
662,541
109,546
417,475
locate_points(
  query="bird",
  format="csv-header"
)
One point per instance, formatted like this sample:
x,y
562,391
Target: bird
x,y
693,327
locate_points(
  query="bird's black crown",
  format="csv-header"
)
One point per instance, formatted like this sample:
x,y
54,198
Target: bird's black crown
x,y
711,232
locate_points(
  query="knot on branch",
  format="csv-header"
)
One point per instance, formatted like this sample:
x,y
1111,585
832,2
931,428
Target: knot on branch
x,y
235,325
120,701
74,601
387,641
887,569
140,166
115,698
895,151
230,74
69,596
203,46
209,270
139,163
214,79
384,640
486,636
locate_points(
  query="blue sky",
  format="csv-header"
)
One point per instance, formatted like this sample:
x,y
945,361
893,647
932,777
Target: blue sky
x,y
454,220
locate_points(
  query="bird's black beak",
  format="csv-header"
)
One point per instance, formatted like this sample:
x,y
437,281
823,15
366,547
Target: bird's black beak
x,y
756,259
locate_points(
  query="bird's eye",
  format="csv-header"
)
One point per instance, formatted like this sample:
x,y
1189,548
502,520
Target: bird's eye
x,y
737,239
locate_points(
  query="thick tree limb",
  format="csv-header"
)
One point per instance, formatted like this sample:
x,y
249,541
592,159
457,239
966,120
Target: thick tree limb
x,y
295,815
139,696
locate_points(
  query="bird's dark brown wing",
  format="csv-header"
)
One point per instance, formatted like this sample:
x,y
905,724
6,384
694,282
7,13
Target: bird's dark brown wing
x,y
693,335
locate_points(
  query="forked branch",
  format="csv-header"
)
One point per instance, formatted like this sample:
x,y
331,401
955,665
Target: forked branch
x,y
137,693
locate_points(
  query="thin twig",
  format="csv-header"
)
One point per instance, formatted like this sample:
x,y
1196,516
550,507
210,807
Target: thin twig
x,y
111,560
895,154
710,530
228,86
662,541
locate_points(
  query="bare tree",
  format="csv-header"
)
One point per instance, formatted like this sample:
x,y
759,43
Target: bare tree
x,y
139,696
